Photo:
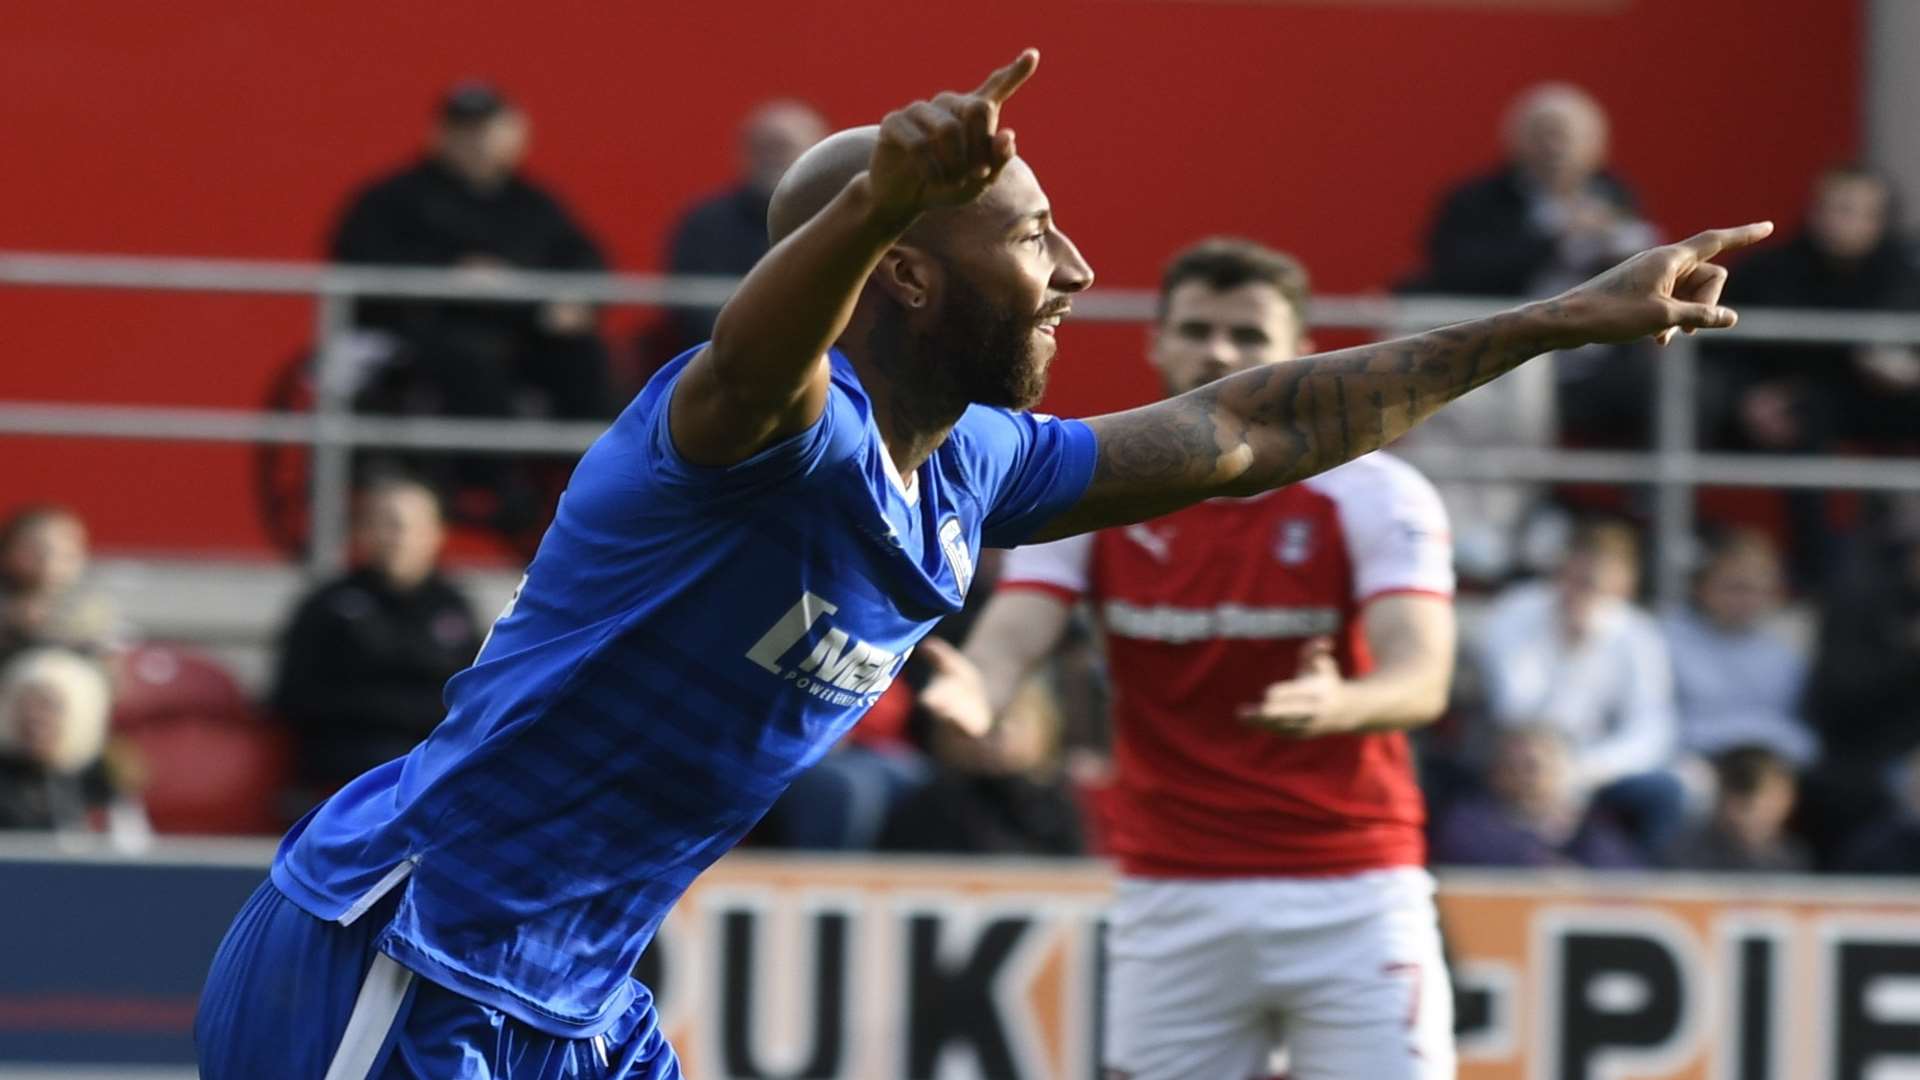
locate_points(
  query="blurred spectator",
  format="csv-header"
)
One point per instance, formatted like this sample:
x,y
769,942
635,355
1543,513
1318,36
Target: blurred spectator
x,y
727,233
1848,255
53,732
43,561
1891,845
1864,694
1738,682
1576,655
365,658
1548,218
467,205
1747,829
1812,398
1002,794
1533,812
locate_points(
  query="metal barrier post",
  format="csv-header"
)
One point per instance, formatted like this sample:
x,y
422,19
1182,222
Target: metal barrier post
x,y
1675,447
331,470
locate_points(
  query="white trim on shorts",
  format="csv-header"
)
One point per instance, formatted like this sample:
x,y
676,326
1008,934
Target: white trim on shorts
x,y
380,888
374,1012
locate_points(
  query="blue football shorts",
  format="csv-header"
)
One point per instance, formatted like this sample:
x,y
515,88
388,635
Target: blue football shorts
x,y
295,997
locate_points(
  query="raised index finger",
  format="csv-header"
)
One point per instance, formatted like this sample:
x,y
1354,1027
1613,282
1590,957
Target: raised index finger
x,y
1001,84
1714,241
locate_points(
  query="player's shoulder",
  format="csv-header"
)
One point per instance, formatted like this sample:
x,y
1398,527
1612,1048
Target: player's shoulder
x,y
1377,479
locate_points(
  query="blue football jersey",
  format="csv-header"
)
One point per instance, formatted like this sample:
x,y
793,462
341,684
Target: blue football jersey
x,y
686,641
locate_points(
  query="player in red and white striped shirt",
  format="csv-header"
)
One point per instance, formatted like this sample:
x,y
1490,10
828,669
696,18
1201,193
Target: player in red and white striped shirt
x,y
1266,655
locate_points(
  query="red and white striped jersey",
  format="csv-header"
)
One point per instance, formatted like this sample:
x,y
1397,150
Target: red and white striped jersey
x,y
1205,608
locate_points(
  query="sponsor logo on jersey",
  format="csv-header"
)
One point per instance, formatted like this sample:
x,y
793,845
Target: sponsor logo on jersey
x,y
1177,625
1293,541
806,649
953,540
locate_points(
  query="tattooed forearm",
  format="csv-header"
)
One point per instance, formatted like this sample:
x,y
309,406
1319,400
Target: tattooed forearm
x,y
1272,426
1303,417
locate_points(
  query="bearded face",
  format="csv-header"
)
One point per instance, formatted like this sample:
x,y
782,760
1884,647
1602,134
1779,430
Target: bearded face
x,y
997,356
973,351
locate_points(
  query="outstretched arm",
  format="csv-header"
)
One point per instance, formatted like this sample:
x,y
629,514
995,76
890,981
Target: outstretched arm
x,y
764,375
1273,426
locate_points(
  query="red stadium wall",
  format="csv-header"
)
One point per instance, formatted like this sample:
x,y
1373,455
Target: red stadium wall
x,y
209,127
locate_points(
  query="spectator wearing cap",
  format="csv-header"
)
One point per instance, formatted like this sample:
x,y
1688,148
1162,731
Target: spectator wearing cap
x,y
364,659
466,204
726,234
1738,682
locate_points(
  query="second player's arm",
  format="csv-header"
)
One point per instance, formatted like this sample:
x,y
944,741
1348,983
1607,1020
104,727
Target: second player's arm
x,y
1272,426
1411,637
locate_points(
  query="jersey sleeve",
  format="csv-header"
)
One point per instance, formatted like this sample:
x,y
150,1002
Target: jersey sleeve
x,y
1396,529
1062,568
836,436
1028,468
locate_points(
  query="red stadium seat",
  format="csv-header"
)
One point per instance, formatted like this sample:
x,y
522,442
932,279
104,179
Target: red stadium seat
x,y
212,766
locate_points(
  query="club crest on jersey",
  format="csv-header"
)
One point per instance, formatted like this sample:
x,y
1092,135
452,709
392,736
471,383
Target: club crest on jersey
x,y
1293,541
1157,544
832,665
953,540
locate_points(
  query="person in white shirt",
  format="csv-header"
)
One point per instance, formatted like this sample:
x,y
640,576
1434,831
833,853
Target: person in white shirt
x,y
1739,682
1576,655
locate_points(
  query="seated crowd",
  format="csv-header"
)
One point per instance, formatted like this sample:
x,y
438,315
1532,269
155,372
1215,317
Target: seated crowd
x,y
1586,730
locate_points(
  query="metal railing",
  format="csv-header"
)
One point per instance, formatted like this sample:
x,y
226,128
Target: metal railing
x,y
1674,468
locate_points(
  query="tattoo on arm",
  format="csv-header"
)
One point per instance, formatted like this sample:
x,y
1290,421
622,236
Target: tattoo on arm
x,y
1278,424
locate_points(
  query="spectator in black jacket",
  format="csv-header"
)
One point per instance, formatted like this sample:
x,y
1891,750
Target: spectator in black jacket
x,y
1849,255
726,234
1002,794
1547,218
1864,693
1891,845
1804,399
365,658
467,205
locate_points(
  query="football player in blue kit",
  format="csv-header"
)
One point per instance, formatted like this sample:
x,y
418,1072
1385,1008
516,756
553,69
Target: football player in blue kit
x,y
738,569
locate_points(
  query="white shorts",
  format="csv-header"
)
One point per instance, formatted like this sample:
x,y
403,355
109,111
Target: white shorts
x,y
1208,980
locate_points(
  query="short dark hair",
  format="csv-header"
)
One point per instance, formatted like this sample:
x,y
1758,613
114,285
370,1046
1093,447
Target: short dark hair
x,y
1743,769
1606,538
1228,262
